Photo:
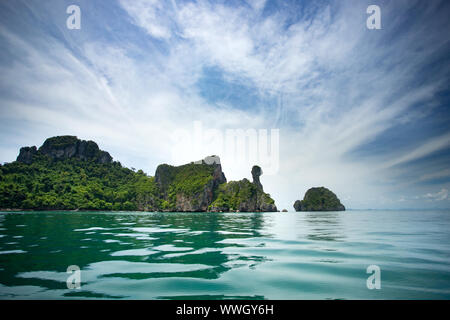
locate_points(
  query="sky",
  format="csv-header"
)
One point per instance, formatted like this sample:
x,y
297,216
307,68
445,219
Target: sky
x,y
364,112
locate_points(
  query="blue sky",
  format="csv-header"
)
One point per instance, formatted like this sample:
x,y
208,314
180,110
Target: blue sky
x,y
363,112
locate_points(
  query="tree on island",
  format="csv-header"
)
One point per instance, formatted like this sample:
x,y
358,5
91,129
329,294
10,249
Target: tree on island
x,y
319,199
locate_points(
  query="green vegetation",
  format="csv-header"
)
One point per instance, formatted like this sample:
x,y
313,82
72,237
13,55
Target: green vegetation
x,y
232,194
67,173
60,142
319,199
243,196
183,187
189,178
74,184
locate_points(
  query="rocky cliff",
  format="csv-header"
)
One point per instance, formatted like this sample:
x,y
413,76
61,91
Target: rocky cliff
x,y
319,199
26,154
65,147
190,187
256,173
243,196
69,173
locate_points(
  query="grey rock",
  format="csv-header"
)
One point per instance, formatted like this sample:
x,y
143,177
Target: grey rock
x,y
298,205
319,199
166,177
256,173
26,154
66,147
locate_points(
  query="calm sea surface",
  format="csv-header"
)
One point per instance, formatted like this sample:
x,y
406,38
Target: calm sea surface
x,y
225,256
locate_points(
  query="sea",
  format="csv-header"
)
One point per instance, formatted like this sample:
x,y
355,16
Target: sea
x,y
355,254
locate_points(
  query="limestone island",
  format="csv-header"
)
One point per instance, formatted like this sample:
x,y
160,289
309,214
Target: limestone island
x,y
67,173
319,199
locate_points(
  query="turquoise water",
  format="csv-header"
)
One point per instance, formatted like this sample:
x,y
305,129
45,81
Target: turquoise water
x,y
225,256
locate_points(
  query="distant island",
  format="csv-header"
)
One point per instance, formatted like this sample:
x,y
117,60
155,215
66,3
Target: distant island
x,y
319,199
67,173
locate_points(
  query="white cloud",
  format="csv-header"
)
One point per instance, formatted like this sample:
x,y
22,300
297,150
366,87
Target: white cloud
x,y
257,5
438,196
435,175
427,148
150,15
337,87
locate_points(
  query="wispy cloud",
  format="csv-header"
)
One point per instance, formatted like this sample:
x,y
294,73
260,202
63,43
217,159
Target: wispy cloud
x,y
438,196
334,88
425,149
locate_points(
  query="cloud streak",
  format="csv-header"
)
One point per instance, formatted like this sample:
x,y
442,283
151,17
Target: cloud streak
x,y
339,93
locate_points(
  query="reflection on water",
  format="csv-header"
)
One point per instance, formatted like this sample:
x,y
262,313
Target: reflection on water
x,y
223,256
325,226
149,246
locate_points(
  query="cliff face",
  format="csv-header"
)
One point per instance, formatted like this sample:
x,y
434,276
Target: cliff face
x,y
189,187
26,154
69,173
256,173
202,186
319,199
65,147
243,196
